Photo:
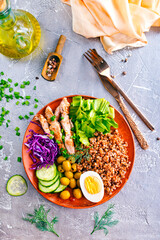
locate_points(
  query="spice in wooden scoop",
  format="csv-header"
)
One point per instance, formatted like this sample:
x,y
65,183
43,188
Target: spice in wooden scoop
x,y
52,65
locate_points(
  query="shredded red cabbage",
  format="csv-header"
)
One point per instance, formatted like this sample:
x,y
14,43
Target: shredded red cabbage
x,y
43,149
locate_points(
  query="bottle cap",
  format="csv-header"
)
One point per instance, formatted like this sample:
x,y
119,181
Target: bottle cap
x,y
3,5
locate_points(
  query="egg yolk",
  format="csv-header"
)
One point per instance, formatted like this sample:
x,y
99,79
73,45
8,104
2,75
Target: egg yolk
x,y
92,185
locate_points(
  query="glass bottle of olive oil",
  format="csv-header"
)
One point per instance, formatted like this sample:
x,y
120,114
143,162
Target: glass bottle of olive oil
x,y
20,32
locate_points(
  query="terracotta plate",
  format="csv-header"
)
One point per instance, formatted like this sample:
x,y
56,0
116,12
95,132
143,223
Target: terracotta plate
x,y
125,132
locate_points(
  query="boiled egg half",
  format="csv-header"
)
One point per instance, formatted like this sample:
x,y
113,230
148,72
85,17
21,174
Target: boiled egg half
x,y
92,186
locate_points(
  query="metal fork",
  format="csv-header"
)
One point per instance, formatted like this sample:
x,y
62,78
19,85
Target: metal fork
x,y
103,70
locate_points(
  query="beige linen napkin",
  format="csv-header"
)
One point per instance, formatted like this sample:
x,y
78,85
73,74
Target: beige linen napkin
x,y
118,23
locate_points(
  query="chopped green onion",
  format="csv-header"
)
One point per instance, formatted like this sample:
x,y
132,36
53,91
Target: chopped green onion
x,y
52,132
0,137
10,89
1,147
8,120
62,118
22,86
34,88
26,82
16,129
5,158
19,159
28,97
26,117
36,105
17,102
31,113
50,137
27,103
53,118
36,100
2,73
17,133
20,117
16,84
9,80
7,125
57,141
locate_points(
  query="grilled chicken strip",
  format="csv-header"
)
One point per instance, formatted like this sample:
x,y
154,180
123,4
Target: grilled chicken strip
x,y
65,122
54,126
43,122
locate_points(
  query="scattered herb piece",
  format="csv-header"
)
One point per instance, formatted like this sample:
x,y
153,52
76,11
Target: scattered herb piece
x,y
26,117
36,105
7,125
53,118
31,113
20,117
16,84
18,133
39,218
28,97
57,141
9,80
17,102
10,89
62,118
2,73
52,132
26,82
0,137
22,86
1,147
6,158
105,221
8,121
36,100
16,129
19,159
34,88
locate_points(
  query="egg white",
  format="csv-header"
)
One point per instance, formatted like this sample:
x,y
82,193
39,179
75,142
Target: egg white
x,y
91,197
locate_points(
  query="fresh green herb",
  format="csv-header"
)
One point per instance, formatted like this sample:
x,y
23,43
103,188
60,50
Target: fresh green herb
x,y
20,117
10,89
51,137
7,125
62,118
19,159
5,158
22,86
31,113
26,117
39,218
18,133
17,102
27,103
57,141
8,121
2,73
1,147
105,221
28,97
16,129
53,118
0,137
16,84
36,105
9,80
34,88
36,100
52,132
26,82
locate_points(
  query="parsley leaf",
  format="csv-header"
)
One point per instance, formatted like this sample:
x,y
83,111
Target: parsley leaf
x,y
106,220
39,218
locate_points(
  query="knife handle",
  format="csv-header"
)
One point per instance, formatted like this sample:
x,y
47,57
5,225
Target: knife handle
x,y
60,44
144,119
143,143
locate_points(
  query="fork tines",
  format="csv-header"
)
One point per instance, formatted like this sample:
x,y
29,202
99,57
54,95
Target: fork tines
x,y
92,56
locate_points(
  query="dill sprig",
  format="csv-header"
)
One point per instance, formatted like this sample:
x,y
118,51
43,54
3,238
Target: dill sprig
x,y
39,218
105,221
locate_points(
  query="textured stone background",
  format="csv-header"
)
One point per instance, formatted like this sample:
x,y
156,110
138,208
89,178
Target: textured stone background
x,y
137,206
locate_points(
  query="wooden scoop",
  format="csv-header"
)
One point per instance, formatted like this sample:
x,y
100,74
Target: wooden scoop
x,y
54,61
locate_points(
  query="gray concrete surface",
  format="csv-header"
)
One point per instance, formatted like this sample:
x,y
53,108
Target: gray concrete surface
x,y
137,206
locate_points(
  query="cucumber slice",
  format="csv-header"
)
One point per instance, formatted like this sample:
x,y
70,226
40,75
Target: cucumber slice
x,y
16,185
49,183
47,173
49,189
60,188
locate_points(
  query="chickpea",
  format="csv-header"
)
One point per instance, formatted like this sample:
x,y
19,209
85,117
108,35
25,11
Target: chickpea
x,y
64,181
77,175
78,183
71,159
65,194
60,169
60,159
74,167
77,193
66,165
68,174
72,183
